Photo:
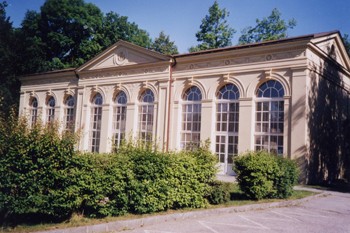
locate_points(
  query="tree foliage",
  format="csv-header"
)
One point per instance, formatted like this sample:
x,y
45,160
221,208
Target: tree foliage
x,y
163,45
116,27
67,33
8,61
214,31
63,34
346,41
270,28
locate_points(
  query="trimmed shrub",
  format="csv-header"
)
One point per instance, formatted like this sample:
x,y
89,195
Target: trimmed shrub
x,y
35,169
168,180
44,178
265,175
219,193
102,181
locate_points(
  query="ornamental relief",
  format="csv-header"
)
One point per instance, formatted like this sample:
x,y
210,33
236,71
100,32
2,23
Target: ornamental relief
x,y
126,73
243,60
120,57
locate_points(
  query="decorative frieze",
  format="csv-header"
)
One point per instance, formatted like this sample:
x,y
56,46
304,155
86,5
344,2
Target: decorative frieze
x,y
241,60
126,73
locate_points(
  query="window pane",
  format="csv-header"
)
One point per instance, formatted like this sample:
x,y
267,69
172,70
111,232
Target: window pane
x,y
270,131
227,117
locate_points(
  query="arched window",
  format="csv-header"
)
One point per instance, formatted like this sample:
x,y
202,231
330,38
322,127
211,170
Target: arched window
x,y
146,114
50,110
33,111
69,113
96,118
191,118
119,118
227,117
269,117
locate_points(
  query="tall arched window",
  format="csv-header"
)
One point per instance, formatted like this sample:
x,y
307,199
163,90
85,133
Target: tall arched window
x,y
50,110
119,118
270,117
191,118
96,118
146,114
33,111
69,113
227,117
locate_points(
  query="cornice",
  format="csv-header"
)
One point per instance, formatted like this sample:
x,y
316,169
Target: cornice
x,y
142,69
247,58
49,75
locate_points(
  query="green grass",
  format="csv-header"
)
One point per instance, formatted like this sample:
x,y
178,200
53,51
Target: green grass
x,y
237,199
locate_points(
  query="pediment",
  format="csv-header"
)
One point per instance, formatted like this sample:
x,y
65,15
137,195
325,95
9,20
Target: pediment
x,y
333,46
123,54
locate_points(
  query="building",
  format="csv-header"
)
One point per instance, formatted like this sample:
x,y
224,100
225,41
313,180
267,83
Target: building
x,y
276,95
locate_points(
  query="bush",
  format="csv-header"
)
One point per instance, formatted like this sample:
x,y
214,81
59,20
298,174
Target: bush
x,y
168,180
43,177
264,175
35,170
219,193
102,181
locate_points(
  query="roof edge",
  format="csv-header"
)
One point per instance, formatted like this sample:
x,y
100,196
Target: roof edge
x,y
263,43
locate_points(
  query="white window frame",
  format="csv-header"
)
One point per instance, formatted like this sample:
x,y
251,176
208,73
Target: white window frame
x,y
50,109
96,123
119,118
146,116
191,119
269,118
227,123
33,111
69,113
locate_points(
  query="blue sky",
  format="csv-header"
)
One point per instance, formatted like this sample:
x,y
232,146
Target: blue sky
x,y
181,18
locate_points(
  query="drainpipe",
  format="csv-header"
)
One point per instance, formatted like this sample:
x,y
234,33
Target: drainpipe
x,y
169,103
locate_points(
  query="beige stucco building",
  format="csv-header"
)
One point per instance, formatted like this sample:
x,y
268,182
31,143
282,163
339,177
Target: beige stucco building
x,y
256,96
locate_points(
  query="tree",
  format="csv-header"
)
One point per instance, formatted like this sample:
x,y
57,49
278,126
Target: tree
x,y
214,31
163,45
33,49
270,28
346,40
67,33
9,84
68,29
116,27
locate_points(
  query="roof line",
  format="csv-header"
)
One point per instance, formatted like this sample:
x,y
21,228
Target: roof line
x,y
296,38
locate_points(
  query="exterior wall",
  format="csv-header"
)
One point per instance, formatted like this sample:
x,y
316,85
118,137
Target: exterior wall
x,y
328,104
42,88
133,85
296,65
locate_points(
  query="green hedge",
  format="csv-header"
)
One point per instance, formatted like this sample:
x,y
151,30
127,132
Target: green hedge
x,y
33,170
264,175
220,193
41,174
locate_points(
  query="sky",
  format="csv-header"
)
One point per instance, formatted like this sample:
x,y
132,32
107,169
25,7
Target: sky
x,y
180,19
